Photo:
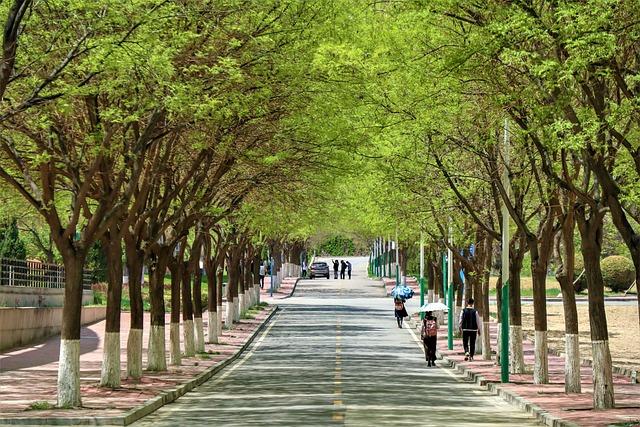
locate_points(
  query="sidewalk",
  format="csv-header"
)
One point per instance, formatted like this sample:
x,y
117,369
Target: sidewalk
x,y
285,290
548,401
28,375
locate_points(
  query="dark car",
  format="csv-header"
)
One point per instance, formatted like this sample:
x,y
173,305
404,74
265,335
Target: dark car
x,y
319,269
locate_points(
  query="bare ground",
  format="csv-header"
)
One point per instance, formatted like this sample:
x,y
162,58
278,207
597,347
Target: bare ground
x,y
622,321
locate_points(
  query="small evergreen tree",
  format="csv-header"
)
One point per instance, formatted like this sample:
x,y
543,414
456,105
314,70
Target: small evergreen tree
x,y
11,246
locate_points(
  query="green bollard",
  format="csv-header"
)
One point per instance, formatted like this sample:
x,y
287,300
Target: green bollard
x,y
450,317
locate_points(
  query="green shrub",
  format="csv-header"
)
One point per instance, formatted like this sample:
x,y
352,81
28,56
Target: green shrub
x,y
581,283
618,272
337,246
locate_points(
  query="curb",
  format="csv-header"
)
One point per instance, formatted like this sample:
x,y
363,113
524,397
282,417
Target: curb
x,y
150,405
507,395
294,288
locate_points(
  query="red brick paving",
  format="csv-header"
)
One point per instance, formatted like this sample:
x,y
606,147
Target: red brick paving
x,y
29,374
574,408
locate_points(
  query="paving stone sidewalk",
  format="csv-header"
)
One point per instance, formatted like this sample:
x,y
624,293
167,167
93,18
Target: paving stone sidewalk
x,y
285,289
29,374
552,401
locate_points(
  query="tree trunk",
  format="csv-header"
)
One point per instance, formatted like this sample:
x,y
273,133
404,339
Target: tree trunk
x,y
135,262
219,283
197,307
485,277
156,358
212,300
187,313
430,280
515,307
175,353
565,253
590,227
69,361
110,374
458,287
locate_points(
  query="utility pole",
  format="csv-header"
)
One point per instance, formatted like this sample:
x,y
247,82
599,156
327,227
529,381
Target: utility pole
x,y
504,328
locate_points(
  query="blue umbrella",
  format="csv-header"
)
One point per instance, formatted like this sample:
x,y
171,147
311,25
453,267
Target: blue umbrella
x,y
402,291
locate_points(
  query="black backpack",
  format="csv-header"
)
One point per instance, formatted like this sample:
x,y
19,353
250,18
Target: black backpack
x,y
469,319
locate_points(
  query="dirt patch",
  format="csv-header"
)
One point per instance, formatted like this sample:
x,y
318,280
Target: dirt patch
x,y
622,322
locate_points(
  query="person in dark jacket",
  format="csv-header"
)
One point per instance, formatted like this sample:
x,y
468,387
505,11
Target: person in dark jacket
x,y
336,265
400,311
343,268
429,336
469,324
349,269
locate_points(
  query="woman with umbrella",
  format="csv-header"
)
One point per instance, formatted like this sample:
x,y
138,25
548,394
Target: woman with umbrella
x,y
400,311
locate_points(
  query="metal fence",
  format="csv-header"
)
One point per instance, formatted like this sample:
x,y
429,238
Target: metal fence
x,y
35,274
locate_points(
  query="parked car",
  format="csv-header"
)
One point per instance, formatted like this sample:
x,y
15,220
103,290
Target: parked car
x,y
319,269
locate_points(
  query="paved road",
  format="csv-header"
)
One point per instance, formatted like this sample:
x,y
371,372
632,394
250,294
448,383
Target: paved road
x,y
334,356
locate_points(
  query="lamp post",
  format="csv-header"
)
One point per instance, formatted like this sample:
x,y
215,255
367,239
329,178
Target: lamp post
x,y
504,327
450,295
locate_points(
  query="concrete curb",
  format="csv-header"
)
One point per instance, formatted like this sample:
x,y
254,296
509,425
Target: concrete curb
x,y
294,288
507,395
150,405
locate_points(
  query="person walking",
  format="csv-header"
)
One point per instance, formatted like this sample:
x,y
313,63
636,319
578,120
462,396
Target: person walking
x,y
304,269
400,311
262,272
349,269
336,265
429,335
469,325
343,268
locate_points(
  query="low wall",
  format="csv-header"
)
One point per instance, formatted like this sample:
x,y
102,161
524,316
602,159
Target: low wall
x,y
24,296
25,325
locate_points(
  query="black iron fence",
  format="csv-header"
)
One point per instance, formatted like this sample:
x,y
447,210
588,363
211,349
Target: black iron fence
x,y
36,274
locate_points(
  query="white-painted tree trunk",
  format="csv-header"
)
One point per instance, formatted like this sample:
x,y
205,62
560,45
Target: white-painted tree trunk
x,y
189,339
572,380
257,291
456,330
541,358
199,329
212,327
430,296
175,356
479,348
156,355
486,340
69,374
236,310
228,321
603,396
220,320
110,374
516,356
241,303
134,354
